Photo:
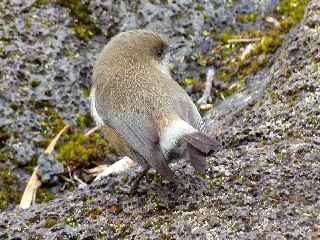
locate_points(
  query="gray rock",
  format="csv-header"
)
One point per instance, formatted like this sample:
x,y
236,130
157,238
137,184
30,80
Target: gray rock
x,y
263,185
49,168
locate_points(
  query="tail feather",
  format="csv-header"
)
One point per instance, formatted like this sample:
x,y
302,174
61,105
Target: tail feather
x,y
179,138
202,142
197,159
198,147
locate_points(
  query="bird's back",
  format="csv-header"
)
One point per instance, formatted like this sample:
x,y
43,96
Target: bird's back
x,y
134,94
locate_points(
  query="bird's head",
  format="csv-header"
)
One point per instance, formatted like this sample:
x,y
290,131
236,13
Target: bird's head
x,y
140,45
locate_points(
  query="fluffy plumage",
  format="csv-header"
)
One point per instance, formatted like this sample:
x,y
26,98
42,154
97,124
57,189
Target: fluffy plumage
x,y
134,95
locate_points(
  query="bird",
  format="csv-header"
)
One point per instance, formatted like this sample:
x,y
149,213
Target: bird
x,y
143,111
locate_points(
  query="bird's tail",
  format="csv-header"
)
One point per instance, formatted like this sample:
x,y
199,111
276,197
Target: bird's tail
x,y
180,139
199,146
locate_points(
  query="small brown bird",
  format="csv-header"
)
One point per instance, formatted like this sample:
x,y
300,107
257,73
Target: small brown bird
x,y
144,112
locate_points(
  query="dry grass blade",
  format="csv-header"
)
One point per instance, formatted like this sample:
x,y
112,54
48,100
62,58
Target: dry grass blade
x,y
98,169
55,140
29,194
247,51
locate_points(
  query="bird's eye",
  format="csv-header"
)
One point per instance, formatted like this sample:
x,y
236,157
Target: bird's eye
x,y
160,52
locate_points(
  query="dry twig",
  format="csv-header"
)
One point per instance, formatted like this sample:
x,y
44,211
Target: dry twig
x,y
243,40
92,130
206,96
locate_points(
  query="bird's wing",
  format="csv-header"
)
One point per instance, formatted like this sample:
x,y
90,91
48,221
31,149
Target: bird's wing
x,y
188,112
141,135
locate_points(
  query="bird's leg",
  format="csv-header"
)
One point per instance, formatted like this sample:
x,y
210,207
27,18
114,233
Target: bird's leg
x,y
124,164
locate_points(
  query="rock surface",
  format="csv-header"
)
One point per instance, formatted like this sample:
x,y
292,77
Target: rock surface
x,y
265,184
46,69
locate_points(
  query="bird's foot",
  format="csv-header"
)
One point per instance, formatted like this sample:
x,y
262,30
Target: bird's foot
x,y
123,165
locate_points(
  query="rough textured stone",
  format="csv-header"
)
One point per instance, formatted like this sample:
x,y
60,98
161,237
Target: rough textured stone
x,y
49,168
39,44
263,185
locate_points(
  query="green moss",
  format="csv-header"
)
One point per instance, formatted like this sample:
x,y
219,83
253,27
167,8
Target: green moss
x,y
247,17
275,97
291,11
203,60
8,191
224,74
217,181
86,92
40,105
199,7
253,66
72,151
50,222
119,227
4,196
52,126
90,200
17,54
73,148
225,35
233,67
233,88
313,121
40,3
102,235
4,156
4,236
229,56
4,136
83,31
71,220
156,202
45,196
84,121
228,50
282,156
93,212
270,42
35,238
156,225
190,82
155,177
206,33
27,24
78,149
148,225
53,123
35,83
83,25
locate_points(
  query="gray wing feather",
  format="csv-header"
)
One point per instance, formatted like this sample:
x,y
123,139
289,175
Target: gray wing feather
x,y
188,112
139,133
